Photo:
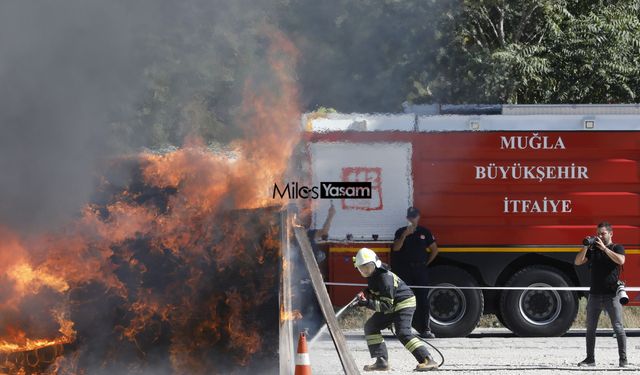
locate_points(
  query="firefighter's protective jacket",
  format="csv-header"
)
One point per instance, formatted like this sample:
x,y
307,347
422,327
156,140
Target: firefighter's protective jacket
x,y
387,293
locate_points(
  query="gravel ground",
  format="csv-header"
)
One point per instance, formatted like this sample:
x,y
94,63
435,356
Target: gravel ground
x,y
488,351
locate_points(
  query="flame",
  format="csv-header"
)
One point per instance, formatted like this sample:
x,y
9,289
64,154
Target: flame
x,y
24,281
12,254
290,315
28,280
19,342
246,340
29,344
96,255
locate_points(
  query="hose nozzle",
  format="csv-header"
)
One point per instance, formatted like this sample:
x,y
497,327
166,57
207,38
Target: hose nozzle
x,y
354,301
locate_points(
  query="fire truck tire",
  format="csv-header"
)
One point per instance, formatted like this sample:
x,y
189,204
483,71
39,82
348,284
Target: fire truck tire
x,y
454,312
538,313
501,320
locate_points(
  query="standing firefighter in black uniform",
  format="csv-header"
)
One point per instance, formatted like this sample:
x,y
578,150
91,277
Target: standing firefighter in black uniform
x,y
414,248
393,302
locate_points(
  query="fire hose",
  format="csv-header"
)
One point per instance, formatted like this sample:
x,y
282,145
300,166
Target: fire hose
x,y
349,305
353,303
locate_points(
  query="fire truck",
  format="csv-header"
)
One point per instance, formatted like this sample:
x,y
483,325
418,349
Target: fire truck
x,y
509,191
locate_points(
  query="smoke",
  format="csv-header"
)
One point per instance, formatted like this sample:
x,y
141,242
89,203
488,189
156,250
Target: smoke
x,y
82,81
85,80
156,270
64,72
365,56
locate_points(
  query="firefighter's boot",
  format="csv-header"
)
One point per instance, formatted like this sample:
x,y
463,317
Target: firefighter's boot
x,y
381,364
427,365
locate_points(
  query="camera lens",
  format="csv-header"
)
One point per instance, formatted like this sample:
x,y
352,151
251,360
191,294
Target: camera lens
x,y
622,294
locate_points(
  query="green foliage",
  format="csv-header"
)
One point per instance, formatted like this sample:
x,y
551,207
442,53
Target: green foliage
x,y
538,52
372,55
358,55
598,56
196,57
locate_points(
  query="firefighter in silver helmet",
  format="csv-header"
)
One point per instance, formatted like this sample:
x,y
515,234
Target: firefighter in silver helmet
x,y
393,302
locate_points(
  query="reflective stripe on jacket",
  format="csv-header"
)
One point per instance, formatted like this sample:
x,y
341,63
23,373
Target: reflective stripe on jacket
x,y
388,292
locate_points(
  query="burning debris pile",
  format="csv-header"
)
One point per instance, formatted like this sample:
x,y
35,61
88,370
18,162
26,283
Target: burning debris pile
x,y
173,269
144,292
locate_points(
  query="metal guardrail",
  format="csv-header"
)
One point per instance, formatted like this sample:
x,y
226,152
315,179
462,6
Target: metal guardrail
x,y
576,288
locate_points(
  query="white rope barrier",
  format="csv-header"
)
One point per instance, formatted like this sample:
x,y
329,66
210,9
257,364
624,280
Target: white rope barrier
x,y
577,288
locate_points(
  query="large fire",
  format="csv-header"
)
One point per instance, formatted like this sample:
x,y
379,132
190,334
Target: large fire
x,y
166,271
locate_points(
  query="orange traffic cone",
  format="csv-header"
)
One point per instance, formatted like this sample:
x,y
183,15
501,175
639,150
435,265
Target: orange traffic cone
x,y
303,364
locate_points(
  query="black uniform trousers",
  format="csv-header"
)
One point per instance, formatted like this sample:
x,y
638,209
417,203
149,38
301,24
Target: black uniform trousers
x,y
417,274
402,322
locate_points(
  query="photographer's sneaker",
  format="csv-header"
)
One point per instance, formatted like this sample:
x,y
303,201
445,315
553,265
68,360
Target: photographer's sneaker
x,y
623,362
587,362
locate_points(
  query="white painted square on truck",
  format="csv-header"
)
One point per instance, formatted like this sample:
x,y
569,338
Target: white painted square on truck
x,y
386,165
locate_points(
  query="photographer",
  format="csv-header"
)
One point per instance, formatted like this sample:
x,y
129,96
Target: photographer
x,y
605,259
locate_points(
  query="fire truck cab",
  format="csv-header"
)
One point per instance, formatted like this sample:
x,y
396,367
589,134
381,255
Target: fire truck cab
x,y
509,192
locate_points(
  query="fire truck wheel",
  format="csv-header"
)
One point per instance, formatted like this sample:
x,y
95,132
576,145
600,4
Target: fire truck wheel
x,y
501,319
454,312
538,313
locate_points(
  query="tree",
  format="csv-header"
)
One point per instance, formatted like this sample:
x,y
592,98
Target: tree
x,y
596,59
536,52
359,56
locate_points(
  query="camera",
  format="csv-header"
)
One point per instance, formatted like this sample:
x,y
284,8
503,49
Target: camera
x,y
621,293
589,241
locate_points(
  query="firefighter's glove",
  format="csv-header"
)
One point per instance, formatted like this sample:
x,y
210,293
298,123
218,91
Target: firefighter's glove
x,y
362,299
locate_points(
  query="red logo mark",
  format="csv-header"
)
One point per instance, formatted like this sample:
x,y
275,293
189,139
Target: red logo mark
x,y
364,174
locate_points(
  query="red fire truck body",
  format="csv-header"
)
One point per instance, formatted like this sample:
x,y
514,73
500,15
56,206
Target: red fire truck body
x,y
508,196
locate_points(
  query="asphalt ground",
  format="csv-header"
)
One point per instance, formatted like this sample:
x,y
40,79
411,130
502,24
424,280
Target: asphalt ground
x,y
489,351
